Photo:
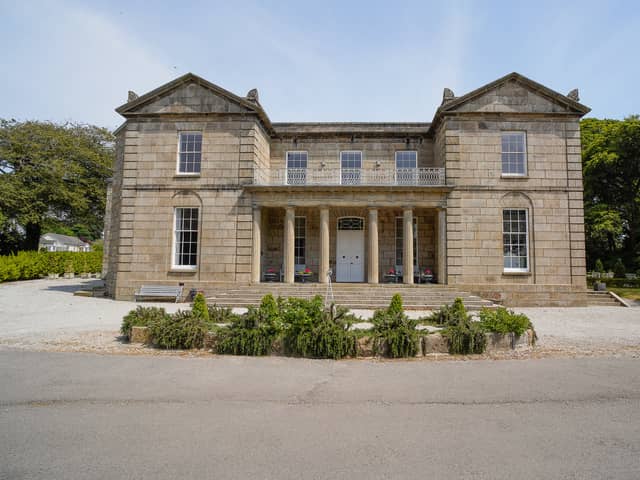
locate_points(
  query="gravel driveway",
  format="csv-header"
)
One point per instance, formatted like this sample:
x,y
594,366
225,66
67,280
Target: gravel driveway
x,y
45,315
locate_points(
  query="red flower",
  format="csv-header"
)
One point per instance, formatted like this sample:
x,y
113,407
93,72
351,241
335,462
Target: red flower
x,y
427,271
270,270
392,271
307,270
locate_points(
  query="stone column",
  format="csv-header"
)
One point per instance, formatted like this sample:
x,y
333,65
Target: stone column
x,y
407,252
441,246
256,245
373,246
289,242
324,245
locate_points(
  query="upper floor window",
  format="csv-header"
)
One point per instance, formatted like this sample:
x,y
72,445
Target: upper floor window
x,y
185,241
297,168
350,168
190,152
515,240
406,167
514,153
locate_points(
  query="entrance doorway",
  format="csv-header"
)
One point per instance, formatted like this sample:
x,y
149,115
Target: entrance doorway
x,y
350,250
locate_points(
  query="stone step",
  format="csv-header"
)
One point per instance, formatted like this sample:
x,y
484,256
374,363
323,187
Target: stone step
x,y
602,299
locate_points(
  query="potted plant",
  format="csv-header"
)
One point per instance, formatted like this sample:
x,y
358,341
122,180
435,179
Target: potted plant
x,y
427,275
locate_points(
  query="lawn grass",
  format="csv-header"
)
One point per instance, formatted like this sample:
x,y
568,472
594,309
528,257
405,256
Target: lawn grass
x,y
626,292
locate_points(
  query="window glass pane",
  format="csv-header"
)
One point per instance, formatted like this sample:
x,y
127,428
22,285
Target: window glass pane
x,y
515,239
186,237
513,153
190,152
299,243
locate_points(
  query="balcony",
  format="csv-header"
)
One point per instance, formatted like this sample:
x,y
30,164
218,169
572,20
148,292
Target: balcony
x,y
419,177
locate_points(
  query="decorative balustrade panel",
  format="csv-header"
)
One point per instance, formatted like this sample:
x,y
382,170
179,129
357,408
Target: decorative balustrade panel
x,y
350,176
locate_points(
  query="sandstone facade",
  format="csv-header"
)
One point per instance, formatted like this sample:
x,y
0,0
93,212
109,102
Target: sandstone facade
x,y
443,183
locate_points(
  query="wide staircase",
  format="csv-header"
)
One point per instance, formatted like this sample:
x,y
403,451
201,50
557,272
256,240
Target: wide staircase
x,y
352,295
602,299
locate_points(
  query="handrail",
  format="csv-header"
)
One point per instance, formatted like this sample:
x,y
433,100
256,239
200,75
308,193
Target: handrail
x,y
350,176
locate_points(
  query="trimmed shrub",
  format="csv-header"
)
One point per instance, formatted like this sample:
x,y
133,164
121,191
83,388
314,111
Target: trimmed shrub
x,y
181,330
312,331
618,269
449,315
220,314
254,332
200,307
398,331
140,317
30,265
502,320
599,267
465,336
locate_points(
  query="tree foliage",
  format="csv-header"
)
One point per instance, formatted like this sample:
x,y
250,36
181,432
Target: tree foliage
x,y
611,168
54,177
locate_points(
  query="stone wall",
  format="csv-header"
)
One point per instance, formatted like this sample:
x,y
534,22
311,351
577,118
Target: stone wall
x,y
550,192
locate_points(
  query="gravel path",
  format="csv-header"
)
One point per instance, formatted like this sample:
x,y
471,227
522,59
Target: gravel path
x,y
45,315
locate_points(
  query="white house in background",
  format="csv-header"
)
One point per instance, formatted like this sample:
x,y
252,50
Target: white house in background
x,y
54,242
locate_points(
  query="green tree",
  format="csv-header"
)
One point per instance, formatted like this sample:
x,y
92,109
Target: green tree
x,y
51,176
611,168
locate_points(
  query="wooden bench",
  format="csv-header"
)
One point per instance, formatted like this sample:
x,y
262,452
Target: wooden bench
x,y
159,291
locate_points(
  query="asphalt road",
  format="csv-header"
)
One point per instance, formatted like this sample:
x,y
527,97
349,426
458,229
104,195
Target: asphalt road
x,y
72,416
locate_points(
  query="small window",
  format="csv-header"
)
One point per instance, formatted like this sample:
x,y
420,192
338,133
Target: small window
x,y
515,240
400,240
189,153
350,223
300,240
514,153
186,238
296,168
350,168
406,167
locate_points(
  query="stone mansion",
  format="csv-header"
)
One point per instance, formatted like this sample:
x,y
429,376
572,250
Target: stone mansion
x,y
488,196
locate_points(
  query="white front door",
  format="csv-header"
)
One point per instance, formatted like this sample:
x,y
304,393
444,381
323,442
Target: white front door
x,y
350,256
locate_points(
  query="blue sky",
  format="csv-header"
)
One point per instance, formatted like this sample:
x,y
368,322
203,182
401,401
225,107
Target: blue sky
x,y
315,61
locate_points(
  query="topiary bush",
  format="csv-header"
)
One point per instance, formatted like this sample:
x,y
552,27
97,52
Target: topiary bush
x,y
181,330
254,332
312,331
140,317
393,327
599,267
618,269
200,306
502,320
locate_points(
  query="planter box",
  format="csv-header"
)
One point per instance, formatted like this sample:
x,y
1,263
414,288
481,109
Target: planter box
x,y
51,276
497,342
69,275
140,335
435,343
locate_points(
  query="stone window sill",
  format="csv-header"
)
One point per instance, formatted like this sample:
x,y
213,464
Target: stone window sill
x,y
182,271
186,175
516,274
514,177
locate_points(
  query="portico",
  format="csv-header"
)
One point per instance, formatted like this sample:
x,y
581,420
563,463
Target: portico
x,y
357,242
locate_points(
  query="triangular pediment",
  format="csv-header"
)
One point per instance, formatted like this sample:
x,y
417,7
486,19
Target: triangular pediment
x,y
514,93
191,94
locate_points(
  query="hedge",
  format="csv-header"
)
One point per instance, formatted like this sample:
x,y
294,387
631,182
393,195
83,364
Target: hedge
x,y
29,265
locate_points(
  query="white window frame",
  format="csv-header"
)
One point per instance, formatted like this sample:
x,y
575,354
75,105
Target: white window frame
x,y
524,153
357,179
178,163
174,253
528,256
400,235
408,180
286,162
